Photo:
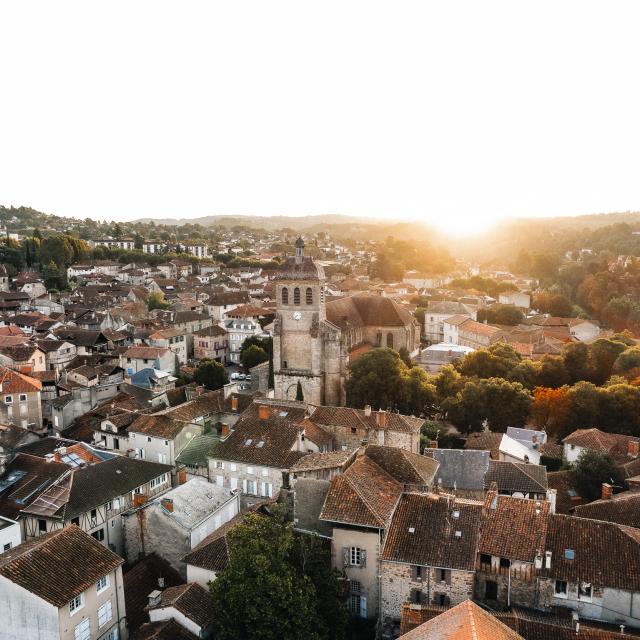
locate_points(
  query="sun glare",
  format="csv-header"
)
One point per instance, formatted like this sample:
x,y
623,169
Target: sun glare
x,y
462,226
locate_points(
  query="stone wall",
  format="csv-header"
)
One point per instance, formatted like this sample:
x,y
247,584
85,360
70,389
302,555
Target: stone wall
x,y
398,582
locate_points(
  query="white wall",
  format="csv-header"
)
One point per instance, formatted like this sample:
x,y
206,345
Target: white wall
x,y
24,615
10,535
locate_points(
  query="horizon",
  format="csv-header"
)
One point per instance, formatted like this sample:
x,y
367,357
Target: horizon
x,y
457,118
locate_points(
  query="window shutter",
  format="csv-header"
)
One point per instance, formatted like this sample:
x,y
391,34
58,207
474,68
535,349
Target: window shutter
x,y
363,606
447,576
363,557
345,556
244,486
414,572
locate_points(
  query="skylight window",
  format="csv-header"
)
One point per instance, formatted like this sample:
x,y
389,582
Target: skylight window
x,y
569,554
283,414
248,442
260,444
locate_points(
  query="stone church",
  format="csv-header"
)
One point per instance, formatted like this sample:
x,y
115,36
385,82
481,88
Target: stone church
x,y
313,338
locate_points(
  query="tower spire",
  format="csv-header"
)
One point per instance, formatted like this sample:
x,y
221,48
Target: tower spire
x,y
299,250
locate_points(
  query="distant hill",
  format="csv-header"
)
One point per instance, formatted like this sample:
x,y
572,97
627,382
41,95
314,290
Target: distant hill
x,y
266,222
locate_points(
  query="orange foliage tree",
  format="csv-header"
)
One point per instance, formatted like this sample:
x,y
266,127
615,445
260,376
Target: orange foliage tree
x,y
550,409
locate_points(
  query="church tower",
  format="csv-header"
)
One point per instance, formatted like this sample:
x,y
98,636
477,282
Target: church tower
x,y
306,348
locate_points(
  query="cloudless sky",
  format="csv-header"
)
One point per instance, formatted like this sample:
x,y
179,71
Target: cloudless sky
x,y
456,113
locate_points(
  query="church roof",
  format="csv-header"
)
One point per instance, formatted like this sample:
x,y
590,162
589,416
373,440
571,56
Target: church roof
x,y
367,310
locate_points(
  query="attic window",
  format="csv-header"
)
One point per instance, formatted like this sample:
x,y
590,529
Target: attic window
x,y
283,414
456,513
248,442
569,554
412,529
260,444
458,534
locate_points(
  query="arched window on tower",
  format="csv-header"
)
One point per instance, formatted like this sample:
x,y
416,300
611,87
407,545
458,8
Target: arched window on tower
x,y
390,340
296,295
309,295
285,295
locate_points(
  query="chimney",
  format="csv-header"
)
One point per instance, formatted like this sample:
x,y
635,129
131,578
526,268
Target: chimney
x,y
234,403
62,450
167,504
160,583
49,457
381,419
433,444
154,598
607,491
182,475
139,499
534,438
634,448
224,430
263,412
367,410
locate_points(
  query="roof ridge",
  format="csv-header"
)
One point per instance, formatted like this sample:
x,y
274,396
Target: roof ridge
x,y
519,466
365,500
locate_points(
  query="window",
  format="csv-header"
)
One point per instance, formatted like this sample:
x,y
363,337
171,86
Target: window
x,y
265,472
249,469
584,591
6,547
251,487
234,466
355,604
417,573
148,438
443,575
355,557
491,590
417,596
98,535
309,295
104,613
285,295
42,526
102,584
219,464
83,630
561,589
296,295
8,399
76,604
75,520
23,397
505,563
390,340
485,558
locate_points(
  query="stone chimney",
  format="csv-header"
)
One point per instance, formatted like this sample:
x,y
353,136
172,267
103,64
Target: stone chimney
x,y
367,410
634,448
49,457
224,430
154,598
182,475
167,504
381,419
263,412
433,444
234,403
607,491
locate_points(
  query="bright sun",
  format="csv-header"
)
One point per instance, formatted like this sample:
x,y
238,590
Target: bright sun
x,y
463,225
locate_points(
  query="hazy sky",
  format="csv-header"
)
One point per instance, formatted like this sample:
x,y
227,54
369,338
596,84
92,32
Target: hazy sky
x,y
457,113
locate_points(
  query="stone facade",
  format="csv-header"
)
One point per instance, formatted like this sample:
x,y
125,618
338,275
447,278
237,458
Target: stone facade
x,y
402,583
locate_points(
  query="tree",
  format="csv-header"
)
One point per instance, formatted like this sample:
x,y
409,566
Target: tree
x,y
276,586
211,374
502,403
586,403
377,379
403,352
551,372
603,354
501,314
550,410
53,278
156,301
253,356
593,468
495,362
138,242
628,363
577,362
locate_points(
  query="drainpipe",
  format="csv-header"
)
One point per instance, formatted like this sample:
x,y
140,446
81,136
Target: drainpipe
x,y
509,587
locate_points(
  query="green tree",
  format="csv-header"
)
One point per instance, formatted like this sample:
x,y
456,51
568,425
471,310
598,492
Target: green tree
x,y
253,356
376,378
138,242
586,405
275,588
211,374
551,372
604,353
501,314
53,277
502,403
592,469
156,301
495,362
628,363
577,362
403,352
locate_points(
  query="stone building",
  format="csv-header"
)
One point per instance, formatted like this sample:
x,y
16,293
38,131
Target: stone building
x,y
308,354
429,553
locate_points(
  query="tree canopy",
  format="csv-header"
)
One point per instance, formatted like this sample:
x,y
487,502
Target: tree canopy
x,y
211,374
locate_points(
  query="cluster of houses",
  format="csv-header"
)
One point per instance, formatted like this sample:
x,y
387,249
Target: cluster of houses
x,y
119,486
